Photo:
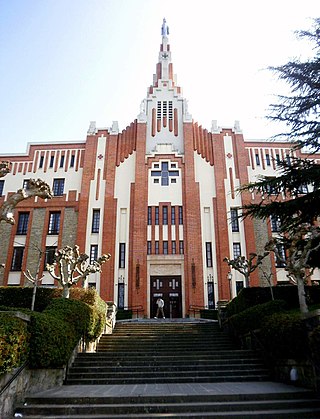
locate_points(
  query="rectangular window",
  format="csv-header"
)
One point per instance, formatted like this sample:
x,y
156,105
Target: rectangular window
x,y
72,159
156,215
164,173
173,215
58,187
51,161
236,250
122,255
164,215
268,159
23,220
277,158
156,250
54,222
173,247
181,247
95,221
149,216
25,183
211,302
121,295
49,257
165,247
288,160
62,161
209,254
1,187
149,247
180,215
257,159
41,162
281,258
17,258
275,223
234,219
93,253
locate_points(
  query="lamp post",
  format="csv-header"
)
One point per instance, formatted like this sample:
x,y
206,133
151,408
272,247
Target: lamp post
x,y
229,278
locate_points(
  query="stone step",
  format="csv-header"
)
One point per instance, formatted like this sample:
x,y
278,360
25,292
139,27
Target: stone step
x,y
183,407
213,378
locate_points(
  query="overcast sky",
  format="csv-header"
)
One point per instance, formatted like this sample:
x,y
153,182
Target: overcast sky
x,y
64,63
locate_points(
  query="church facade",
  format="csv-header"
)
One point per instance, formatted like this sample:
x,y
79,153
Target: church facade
x,y
160,197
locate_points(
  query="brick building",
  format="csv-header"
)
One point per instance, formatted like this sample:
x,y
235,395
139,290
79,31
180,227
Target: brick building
x,y
160,196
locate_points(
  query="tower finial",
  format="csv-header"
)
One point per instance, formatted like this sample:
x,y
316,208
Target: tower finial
x,y
164,28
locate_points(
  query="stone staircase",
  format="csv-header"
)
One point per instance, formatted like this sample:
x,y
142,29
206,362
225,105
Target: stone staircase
x,y
165,369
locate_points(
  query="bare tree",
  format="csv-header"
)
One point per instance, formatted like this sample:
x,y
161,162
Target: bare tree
x,y
71,266
299,246
246,266
33,188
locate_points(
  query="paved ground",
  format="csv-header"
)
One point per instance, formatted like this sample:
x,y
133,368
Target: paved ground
x,y
168,389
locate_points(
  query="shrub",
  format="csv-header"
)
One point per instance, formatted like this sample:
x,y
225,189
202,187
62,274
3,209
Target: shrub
x,y
14,340
314,340
251,318
284,336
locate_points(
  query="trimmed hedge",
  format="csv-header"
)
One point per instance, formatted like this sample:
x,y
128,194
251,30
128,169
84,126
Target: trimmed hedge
x,y
22,297
14,342
284,336
252,318
249,297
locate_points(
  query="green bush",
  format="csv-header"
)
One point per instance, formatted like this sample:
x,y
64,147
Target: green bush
x,y
284,336
14,342
249,297
314,340
251,318
52,341
22,297
124,314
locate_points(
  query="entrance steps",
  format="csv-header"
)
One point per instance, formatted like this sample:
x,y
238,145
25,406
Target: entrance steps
x,y
163,369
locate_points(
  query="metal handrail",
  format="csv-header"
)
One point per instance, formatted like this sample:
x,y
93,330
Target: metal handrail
x,y
14,376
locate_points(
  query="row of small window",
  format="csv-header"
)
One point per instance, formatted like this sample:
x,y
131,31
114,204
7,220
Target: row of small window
x,y
61,163
53,226
268,159
165,248
57,186
165,215
49,257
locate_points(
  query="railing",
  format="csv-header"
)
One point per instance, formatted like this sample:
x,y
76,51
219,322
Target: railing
x,y
196,310
134,309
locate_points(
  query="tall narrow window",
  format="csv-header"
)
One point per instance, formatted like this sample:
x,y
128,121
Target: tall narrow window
x,y
173,215
41,162
49,256
17,258
236,250
62,161
211,302
277,158
121,295
180,215
51,161
164,173
268,159
165,215
23,220
181,247
257,159
275,223
156,215
149,247
93,253
156,249
54,222
58,187
149,216
72,159
165,247
173,247
1,187
234,219
122,255
280,258
25,183
209,254
95,221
